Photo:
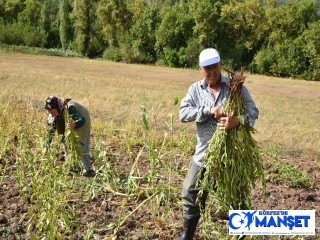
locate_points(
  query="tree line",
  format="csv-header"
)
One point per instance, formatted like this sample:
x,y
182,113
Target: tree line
x,y
267,37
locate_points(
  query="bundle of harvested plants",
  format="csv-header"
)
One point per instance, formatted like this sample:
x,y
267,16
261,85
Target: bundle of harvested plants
x,y
75,151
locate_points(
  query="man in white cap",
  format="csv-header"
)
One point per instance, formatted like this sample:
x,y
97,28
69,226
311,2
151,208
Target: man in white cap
x,y
204,105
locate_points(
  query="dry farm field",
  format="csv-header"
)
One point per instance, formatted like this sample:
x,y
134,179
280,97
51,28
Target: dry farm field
x,y
139,149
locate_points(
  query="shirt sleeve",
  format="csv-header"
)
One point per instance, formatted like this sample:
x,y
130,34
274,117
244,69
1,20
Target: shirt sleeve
x,y
252,111
76,117
190,110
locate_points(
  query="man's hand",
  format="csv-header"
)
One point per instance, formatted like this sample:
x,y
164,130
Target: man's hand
x,y
217,112
71,125
226,123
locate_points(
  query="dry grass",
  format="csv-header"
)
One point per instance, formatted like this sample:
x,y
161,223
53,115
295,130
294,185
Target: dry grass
x,y
289,112
114,92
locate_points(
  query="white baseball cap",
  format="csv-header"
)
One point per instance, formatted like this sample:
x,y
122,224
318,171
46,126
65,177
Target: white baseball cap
x,y
208,57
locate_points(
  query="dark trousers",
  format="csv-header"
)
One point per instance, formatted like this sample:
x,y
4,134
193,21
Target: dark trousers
x,y
190,206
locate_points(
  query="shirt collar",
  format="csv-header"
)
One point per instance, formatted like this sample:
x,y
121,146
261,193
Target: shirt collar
x,y
204,83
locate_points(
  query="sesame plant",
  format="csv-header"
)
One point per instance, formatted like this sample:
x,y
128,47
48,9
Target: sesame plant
x,y
3,160
75,151
107,180
44,185
294,177
8,138
161,168
149,186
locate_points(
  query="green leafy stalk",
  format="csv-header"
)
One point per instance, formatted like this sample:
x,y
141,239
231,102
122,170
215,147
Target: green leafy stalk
x,y
75,151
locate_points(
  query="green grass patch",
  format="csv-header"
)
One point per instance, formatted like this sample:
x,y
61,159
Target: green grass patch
x,y
38,51
294,177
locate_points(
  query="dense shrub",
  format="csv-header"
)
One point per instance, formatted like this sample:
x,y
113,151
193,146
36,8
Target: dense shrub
x,y
311,49
279,60
174,57
192,54
21,34
112,53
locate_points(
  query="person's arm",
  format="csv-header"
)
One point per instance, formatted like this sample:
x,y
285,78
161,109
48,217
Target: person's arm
x,y
190,110
78,119
252,113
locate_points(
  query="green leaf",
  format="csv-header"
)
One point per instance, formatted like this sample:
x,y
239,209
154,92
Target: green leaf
x,y
176,101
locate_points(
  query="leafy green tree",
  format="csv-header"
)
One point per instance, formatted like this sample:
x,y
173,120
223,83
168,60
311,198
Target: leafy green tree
x,y
88,39
76,5
50,23
192,53
31,13
263,60
285,24
175,57
115,19
245,29
173,34
82,26
21,23
206,15
145,20
309,41
175,28
21,34
280,60
96,43
137,7
12,10
64,23
2,10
